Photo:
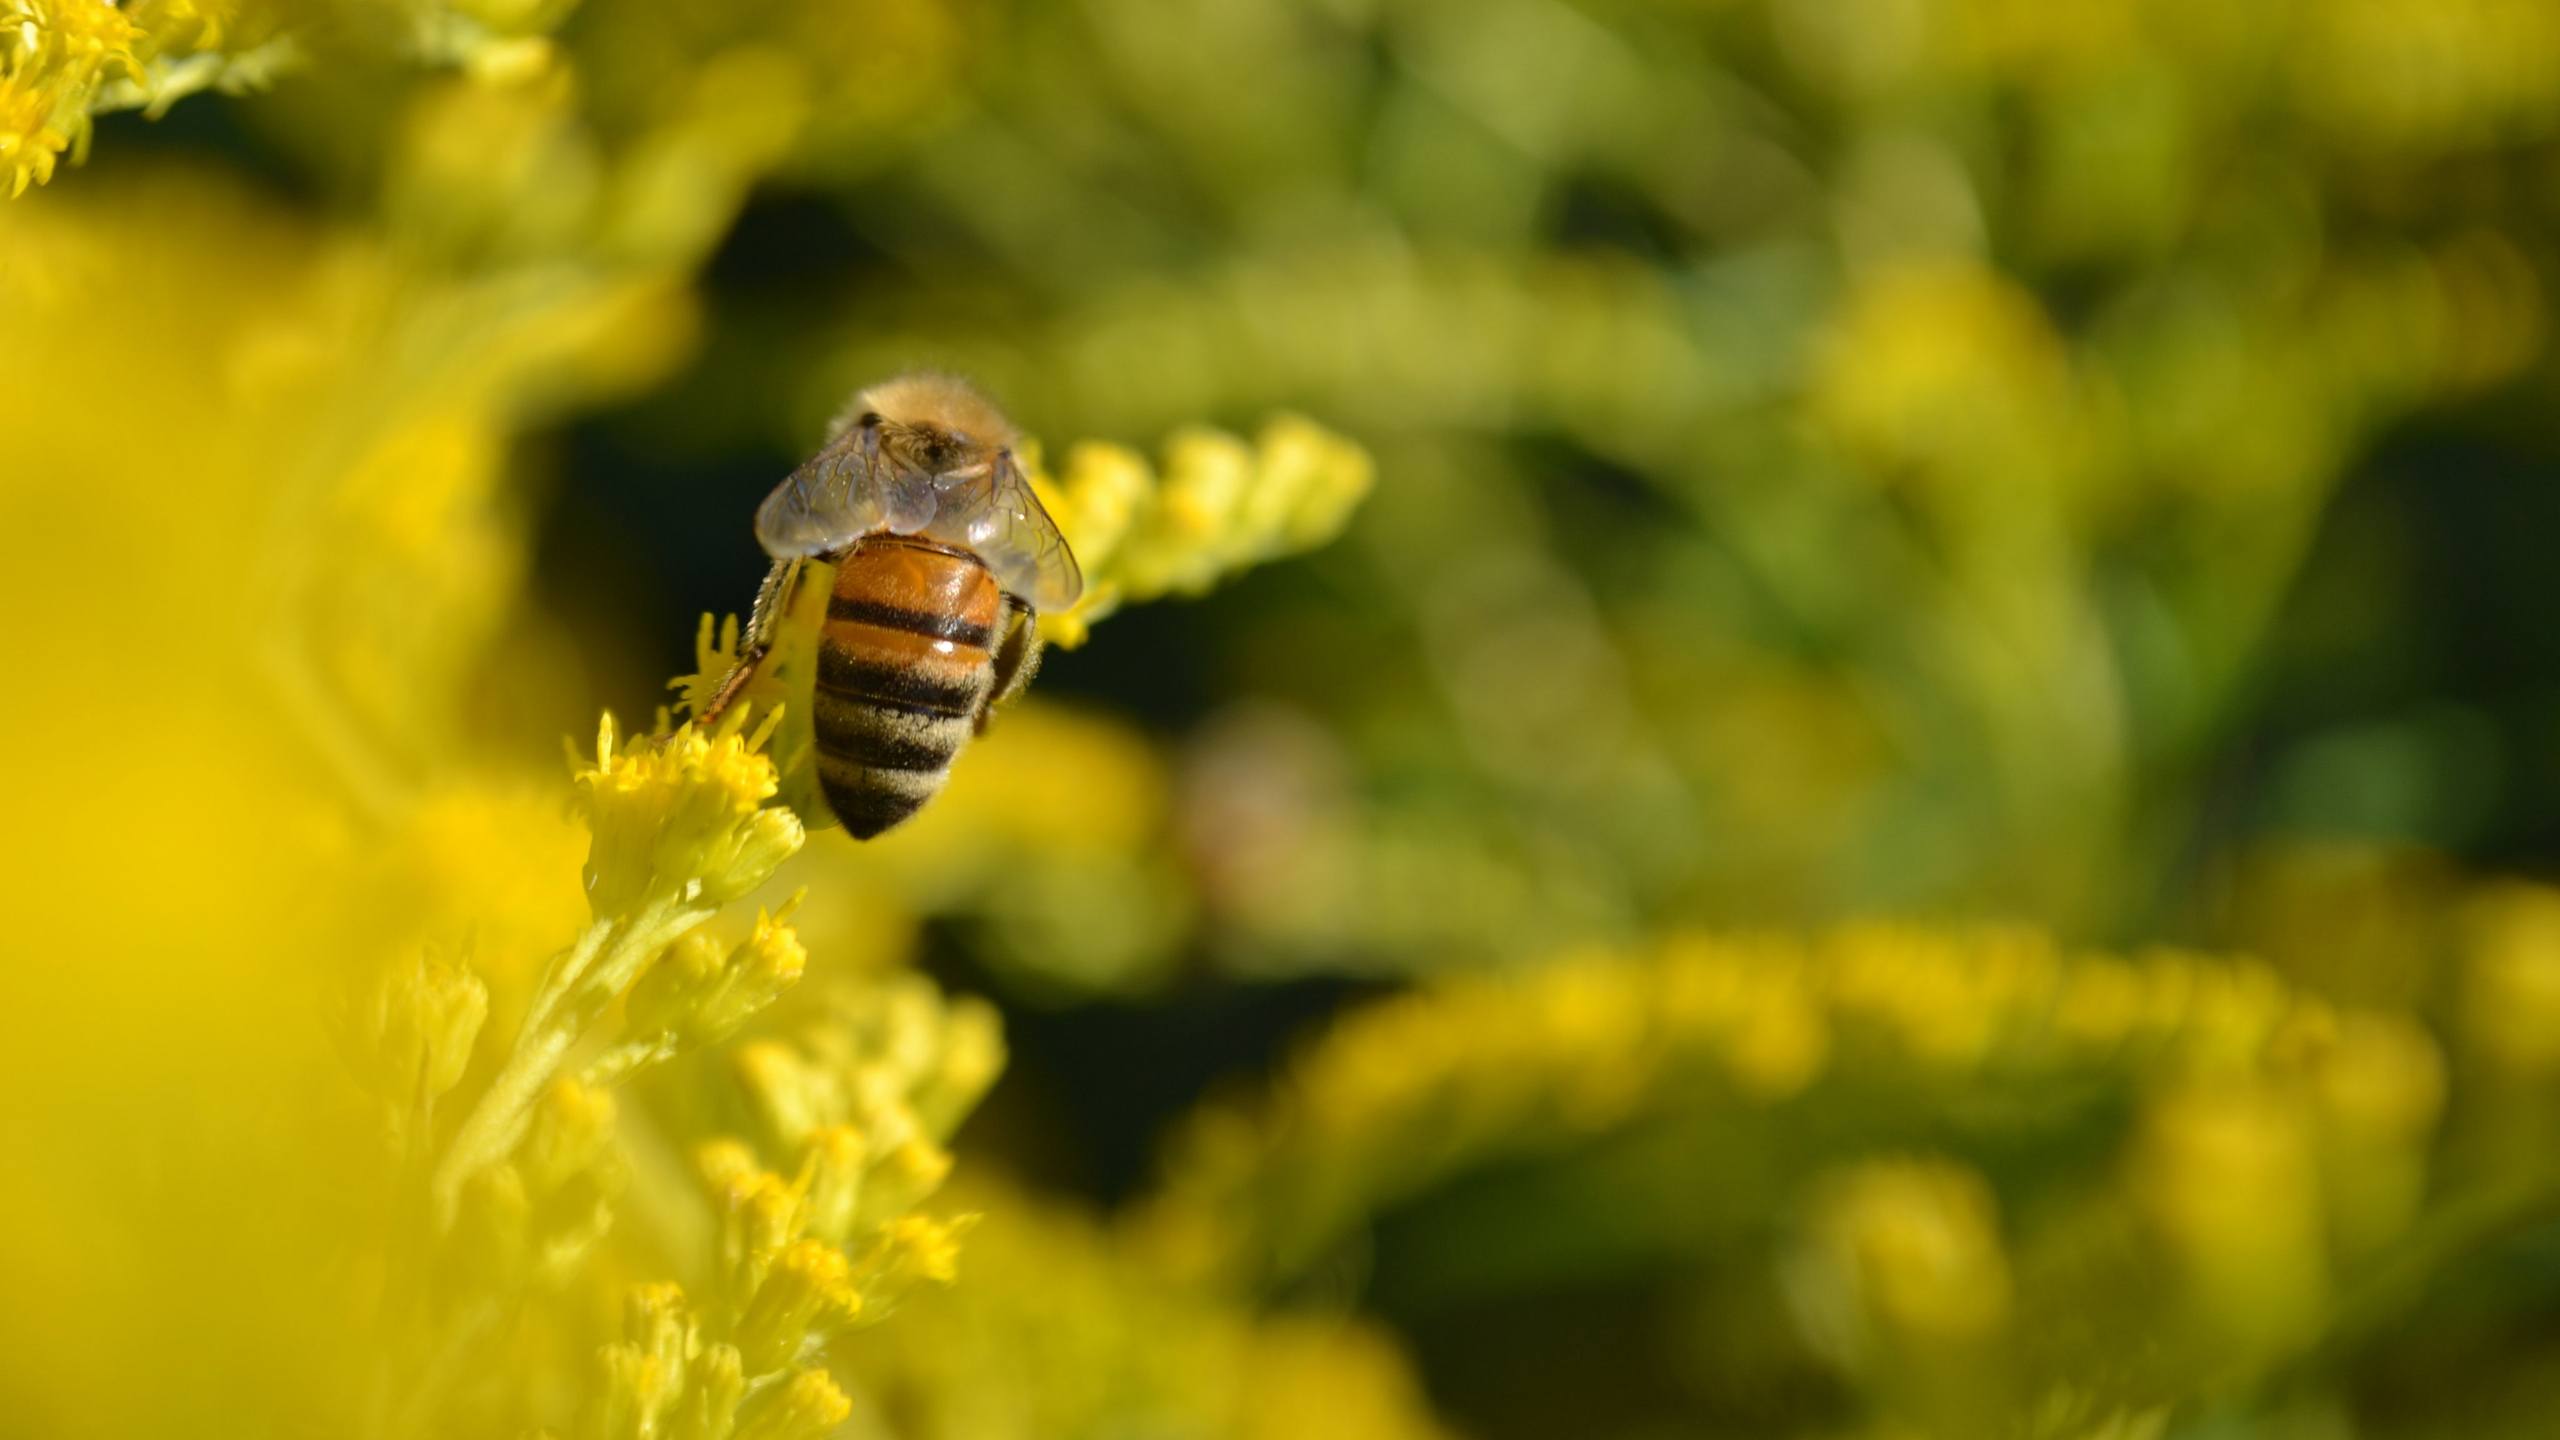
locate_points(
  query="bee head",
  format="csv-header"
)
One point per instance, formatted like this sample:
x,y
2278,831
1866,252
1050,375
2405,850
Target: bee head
x,y
932,422
928,448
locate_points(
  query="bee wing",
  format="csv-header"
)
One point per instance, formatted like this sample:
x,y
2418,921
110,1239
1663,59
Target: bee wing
x,y
826,504
996,517
846,491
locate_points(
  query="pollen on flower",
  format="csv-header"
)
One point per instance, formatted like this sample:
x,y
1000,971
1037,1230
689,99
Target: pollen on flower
x,y
62,61
682,816
810,1405
809,1289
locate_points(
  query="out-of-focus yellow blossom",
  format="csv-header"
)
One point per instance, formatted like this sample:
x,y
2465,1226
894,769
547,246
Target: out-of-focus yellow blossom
x,y
2505,1009
527,1187
2406,76
1948,374
523,1189
1216,507
677,831
856,1115
2510,997
2283,1143
1905,1280
892,1060
284,752
1105,1343
2229,1177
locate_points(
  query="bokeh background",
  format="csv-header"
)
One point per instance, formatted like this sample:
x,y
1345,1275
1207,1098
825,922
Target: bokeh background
x,y
1913,806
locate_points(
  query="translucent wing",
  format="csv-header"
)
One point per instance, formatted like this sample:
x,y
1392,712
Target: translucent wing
x,y
848,490
992,513
826,504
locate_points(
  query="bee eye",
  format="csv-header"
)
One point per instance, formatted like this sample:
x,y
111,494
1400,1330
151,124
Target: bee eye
x,y
870,419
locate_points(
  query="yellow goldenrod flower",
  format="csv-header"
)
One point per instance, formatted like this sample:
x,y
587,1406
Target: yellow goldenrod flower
x,y
2228,1177
2378,1089
1220,506
760,1215
907,1252
833,1187
715,1384
685,818
1103,1336
677,829
1908,1027
1916,1246
1903,1278
808,1291
809,1406
410,1032
699,994
2511,980
493,1230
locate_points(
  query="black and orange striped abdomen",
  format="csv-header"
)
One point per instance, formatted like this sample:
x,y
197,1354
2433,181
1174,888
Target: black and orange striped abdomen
x,y
904,667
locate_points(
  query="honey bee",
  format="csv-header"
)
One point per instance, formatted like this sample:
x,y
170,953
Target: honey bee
x,y
944,561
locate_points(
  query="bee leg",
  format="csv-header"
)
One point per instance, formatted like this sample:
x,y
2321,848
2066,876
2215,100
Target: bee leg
x,y
731,686
773,601
1017,658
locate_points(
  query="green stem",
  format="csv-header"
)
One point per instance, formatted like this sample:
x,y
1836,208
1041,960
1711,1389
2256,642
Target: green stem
x,y
562,973
626,1059
577,988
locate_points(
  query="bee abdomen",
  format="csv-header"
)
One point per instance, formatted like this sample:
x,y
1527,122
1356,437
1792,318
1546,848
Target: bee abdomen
x,y
903,672
910,684
886,733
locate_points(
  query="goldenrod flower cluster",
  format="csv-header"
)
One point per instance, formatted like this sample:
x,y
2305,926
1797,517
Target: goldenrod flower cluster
x,y
2273,1148
512,1200
1216,505
817,1226
1106,1342
62,61
833,1247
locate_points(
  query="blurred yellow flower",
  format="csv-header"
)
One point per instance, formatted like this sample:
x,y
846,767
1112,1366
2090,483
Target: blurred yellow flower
x,y
1220,506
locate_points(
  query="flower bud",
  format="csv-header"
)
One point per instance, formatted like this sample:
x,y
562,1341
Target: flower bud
x,y
622,1404
1191,537
971,1058
657,1321
911,1250
2511,981
2228,1179
494,1229
832,1177
725,1165
809,1407
755,975
1321,476
792,1096
416,1025
763,1216
571,1138
716,1382
672,989
903,1178
745,856
810,1287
